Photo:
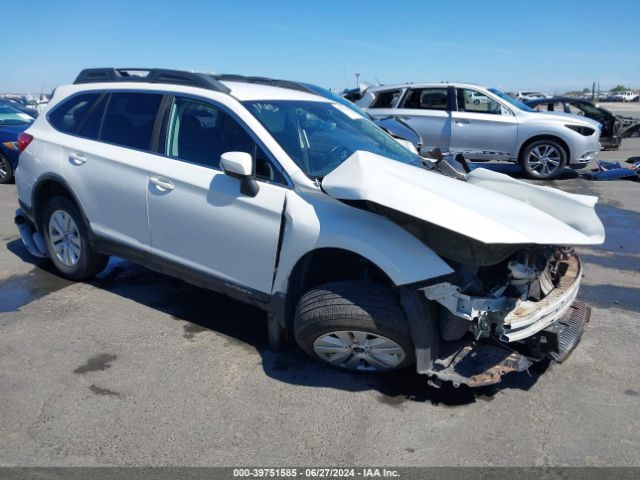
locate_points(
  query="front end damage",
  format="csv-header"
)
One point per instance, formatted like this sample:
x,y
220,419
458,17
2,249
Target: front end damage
x,y
511,300
502,318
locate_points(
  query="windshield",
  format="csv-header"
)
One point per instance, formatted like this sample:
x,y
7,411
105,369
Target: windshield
x,y
10,115
323,92
516,103
319,136
588,109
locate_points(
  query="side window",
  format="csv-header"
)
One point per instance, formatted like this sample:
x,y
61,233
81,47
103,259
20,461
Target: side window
x,y
89,126
474,101
427,99
129,119
200,133
386,99
70,115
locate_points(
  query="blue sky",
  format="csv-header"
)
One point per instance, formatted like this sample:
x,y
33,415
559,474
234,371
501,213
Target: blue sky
x,y
551,45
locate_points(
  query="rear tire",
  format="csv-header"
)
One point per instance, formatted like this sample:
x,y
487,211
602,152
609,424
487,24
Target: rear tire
x,y
543,159
354,325
65,234
6,170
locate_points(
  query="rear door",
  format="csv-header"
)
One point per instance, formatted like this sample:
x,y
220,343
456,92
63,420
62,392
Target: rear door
x,y
198,217
428,112
105,160
481,128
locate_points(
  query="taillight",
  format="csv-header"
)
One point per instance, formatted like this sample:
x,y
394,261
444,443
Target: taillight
x,y
24,139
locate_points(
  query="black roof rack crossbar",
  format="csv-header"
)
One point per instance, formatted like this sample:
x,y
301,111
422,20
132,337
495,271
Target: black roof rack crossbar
x,y
151,75
271,82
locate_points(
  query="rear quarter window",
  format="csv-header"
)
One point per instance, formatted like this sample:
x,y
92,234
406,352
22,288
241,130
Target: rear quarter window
x,y
72,114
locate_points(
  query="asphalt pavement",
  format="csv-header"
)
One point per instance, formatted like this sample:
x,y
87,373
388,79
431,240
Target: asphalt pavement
x,y
136,368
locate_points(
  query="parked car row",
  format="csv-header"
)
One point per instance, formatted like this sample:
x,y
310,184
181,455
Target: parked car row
x,y
372,257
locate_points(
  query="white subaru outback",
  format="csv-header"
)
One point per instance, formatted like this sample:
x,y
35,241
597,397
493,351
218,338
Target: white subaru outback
x,y
371,256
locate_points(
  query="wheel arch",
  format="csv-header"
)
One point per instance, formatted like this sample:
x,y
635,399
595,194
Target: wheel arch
x,y
551,137
47,187
328,264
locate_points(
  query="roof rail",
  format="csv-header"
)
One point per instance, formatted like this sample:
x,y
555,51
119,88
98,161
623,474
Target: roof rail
x,y
271,82
151,75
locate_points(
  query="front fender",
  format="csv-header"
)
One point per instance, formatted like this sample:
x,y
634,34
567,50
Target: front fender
x,y
313,220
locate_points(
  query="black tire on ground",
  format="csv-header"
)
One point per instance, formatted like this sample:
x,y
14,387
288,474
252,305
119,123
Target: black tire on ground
x,y
89,263
540,145
5,164
352,305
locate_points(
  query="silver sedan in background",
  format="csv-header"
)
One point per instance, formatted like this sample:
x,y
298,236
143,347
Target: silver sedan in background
x,y
487,124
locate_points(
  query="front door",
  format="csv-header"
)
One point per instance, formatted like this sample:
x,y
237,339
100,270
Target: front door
x,y
481,128
197,215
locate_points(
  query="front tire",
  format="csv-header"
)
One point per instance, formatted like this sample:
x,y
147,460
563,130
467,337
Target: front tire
x,y
6,170
543,159
65,234
354,325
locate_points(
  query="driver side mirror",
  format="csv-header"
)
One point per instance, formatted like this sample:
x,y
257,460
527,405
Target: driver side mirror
x,y
240,165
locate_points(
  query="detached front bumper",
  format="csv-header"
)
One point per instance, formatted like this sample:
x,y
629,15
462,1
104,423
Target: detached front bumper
x,y
480,363
528,318
514,319
551,328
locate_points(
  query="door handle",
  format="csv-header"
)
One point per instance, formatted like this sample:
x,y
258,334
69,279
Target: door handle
x,y
162,184
462,122
77,159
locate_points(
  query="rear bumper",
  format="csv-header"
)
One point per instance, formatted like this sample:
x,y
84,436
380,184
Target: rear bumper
x,y
31,238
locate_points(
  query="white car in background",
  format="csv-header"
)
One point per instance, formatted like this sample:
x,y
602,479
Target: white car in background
x,y
627,96
487,124
301,206
530,95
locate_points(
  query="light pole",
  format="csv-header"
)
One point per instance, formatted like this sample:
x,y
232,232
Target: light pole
x,y
357,80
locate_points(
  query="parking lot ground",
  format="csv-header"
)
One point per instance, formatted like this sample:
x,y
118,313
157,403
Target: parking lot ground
x,y
135,368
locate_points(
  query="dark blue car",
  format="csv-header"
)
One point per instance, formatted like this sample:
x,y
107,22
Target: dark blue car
x,y
12,123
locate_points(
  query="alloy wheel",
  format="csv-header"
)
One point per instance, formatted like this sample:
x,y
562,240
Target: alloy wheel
x,y
5,168
360,351
544,160
64,237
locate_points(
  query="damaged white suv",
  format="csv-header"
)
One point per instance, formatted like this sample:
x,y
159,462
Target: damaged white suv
x,y
371,256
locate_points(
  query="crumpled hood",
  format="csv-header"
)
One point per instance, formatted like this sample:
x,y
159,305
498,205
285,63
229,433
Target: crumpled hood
x,y
489,207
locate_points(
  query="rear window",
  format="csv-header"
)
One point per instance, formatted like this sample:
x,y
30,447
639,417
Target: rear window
x,y
129,119
71,115
386,99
